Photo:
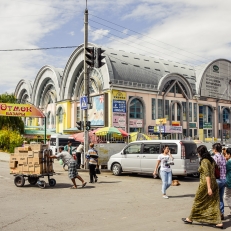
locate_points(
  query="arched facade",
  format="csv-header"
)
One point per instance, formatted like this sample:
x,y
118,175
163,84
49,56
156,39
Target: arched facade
x,y
132,91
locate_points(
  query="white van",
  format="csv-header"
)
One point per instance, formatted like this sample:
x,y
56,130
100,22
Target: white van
x,y
141,157
61,140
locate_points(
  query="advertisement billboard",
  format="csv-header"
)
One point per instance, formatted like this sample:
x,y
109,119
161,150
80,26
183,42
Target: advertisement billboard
x,y
20,110
119,120
216,81
96,114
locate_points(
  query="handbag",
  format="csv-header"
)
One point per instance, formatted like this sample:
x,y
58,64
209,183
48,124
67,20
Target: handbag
x,y
97,171
217,172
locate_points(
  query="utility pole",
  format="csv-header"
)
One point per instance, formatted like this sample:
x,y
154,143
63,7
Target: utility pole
x,y
86,84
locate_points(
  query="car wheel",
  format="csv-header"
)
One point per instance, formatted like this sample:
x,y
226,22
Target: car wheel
x,y
19,181
116,169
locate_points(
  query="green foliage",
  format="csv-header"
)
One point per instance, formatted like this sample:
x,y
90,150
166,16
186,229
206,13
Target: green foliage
x,y
10,122
9,140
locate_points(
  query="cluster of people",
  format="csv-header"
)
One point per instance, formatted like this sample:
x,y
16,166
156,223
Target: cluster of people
x,y
208,206
74,161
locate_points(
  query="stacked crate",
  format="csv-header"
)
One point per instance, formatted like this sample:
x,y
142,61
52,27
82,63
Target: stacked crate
x,y
29,160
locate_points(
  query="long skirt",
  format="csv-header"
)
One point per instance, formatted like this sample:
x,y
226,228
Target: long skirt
x,y
206,209
72,170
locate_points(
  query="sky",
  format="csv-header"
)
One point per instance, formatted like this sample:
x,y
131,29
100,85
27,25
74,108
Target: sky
x,y
190,32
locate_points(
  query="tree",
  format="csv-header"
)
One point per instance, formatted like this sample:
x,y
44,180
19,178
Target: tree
x,y
9,122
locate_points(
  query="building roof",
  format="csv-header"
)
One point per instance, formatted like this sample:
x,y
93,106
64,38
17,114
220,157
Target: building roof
x,y
132,67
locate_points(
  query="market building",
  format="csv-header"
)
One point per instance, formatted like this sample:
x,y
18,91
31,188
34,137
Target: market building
x,y
132,91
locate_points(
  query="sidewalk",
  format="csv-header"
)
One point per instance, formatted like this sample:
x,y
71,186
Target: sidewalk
x,y
5,157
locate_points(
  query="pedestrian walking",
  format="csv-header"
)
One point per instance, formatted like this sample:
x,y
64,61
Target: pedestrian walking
x,y
92,157
205,207
67,148
228,179
165,159
71,163
221,163
80,150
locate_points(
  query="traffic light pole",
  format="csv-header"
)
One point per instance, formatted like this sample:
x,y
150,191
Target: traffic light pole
x,y
86,86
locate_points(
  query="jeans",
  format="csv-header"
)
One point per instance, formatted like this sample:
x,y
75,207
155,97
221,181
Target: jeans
x,y
221,184
92,171
166,178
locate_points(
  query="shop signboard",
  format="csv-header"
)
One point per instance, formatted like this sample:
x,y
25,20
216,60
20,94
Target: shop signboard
x,y
136,123
150,129
119,120
119,95
216,81
20,110
175,123
192,125
119,106
173,129
161,121
207,125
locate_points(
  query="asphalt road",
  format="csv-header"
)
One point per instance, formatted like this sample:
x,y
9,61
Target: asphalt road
x,y
129,202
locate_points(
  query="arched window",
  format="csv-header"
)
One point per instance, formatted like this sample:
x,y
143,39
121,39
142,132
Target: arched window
x,y
60,115
136,109
226,116
52,120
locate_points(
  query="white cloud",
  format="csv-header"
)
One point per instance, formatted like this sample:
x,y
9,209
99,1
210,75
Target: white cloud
x,y
196,27
98,34
72,33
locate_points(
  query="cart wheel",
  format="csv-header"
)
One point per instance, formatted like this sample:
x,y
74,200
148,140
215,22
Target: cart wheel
x,y
52,182
41,184
19,181
32,180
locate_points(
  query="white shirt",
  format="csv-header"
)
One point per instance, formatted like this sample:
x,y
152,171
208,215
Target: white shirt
x,y
80,148
164,160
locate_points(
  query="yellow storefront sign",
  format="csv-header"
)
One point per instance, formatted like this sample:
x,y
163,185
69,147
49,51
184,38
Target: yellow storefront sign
x,y
20,110
119,95
161,121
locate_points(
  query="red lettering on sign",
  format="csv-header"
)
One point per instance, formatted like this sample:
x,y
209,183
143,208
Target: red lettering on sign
x,y
23,109
16,108
9,107
3,107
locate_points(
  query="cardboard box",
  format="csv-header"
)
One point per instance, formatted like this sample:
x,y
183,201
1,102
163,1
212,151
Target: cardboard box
x,y
24,149
22,160
30,154
25,168
20,168
30,168
37,169
14,171
13,157
30,160
37,161
38,154
13,164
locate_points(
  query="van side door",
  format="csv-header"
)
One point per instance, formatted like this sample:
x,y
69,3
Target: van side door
x,y
131,158
149,156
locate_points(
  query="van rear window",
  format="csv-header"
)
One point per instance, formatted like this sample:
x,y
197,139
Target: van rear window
x,y
190,150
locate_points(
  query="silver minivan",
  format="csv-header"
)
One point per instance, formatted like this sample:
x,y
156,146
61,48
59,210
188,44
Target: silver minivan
x,y
141,157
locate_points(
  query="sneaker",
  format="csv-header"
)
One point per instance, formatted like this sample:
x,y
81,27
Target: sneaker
x,y
165,196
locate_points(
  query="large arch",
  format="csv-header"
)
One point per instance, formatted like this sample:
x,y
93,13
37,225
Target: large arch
x,y
47,83
73,74
23,91
179,79
213,79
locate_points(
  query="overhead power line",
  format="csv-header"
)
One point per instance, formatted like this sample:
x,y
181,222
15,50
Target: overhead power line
x,y
44,48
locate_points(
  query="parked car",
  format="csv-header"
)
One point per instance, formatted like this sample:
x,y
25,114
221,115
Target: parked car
x,y
141,157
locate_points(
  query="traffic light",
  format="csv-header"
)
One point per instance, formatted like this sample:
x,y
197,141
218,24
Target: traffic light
x,y
90,56
80,125
88,125
99,58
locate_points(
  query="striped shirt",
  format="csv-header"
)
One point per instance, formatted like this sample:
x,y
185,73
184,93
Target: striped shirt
x,y
221,162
